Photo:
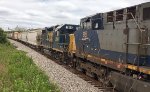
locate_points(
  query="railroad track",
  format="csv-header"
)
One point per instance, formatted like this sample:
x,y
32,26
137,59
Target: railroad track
x,y
80,74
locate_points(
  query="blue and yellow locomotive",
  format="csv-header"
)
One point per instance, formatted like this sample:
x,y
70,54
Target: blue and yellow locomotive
x,y
114,46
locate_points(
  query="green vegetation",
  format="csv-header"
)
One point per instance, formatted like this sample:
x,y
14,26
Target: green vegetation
x,y
2,36
18,73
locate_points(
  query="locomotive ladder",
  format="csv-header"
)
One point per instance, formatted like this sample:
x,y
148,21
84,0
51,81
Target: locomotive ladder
x,y
140,41
139,44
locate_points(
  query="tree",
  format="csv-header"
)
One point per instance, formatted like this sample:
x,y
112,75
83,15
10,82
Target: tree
x,y
2,36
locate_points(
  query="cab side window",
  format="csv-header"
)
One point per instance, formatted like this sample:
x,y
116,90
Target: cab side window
x,y
97,24
87,23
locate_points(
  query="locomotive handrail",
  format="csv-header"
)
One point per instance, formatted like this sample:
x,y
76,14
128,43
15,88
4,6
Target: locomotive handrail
x,y
132,17
133,43
135,21
137,44
96,18
146,44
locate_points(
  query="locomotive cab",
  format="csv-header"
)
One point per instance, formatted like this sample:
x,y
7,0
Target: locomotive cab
x,y
87,38
61,36
47,36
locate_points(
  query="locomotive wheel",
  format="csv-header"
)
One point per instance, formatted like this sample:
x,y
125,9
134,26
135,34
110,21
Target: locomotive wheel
x,y
101,79
90,74
78,67
57,56
74,62
71,62
107,82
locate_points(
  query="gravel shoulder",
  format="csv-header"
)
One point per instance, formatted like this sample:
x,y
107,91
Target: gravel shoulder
x,y
67,81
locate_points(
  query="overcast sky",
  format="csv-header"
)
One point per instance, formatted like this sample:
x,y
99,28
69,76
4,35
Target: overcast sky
x,y
41,13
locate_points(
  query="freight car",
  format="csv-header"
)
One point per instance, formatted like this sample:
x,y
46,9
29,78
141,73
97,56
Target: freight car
x,y
114,47
15,35
30,36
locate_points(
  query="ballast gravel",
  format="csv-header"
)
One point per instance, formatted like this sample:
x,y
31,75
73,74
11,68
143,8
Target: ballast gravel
x,y
67,81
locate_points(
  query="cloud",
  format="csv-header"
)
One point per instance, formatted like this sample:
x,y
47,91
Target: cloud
x,y
41,13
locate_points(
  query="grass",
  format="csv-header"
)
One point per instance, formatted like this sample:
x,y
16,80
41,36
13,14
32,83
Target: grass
x,y
18,73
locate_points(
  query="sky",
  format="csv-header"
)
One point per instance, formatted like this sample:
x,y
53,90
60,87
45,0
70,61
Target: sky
x,y
45,13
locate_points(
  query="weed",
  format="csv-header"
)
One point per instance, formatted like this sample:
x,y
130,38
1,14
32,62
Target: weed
x,y
20,74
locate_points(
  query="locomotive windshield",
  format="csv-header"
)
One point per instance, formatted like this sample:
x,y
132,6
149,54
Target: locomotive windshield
x,y
94,22
86,23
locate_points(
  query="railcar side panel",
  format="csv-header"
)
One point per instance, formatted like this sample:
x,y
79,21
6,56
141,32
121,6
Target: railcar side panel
x,y
32,36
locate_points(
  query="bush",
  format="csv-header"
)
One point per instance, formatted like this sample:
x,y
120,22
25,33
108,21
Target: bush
x,y
2,36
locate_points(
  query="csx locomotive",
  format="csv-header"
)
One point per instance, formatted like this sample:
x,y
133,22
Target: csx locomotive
x,y
113,47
